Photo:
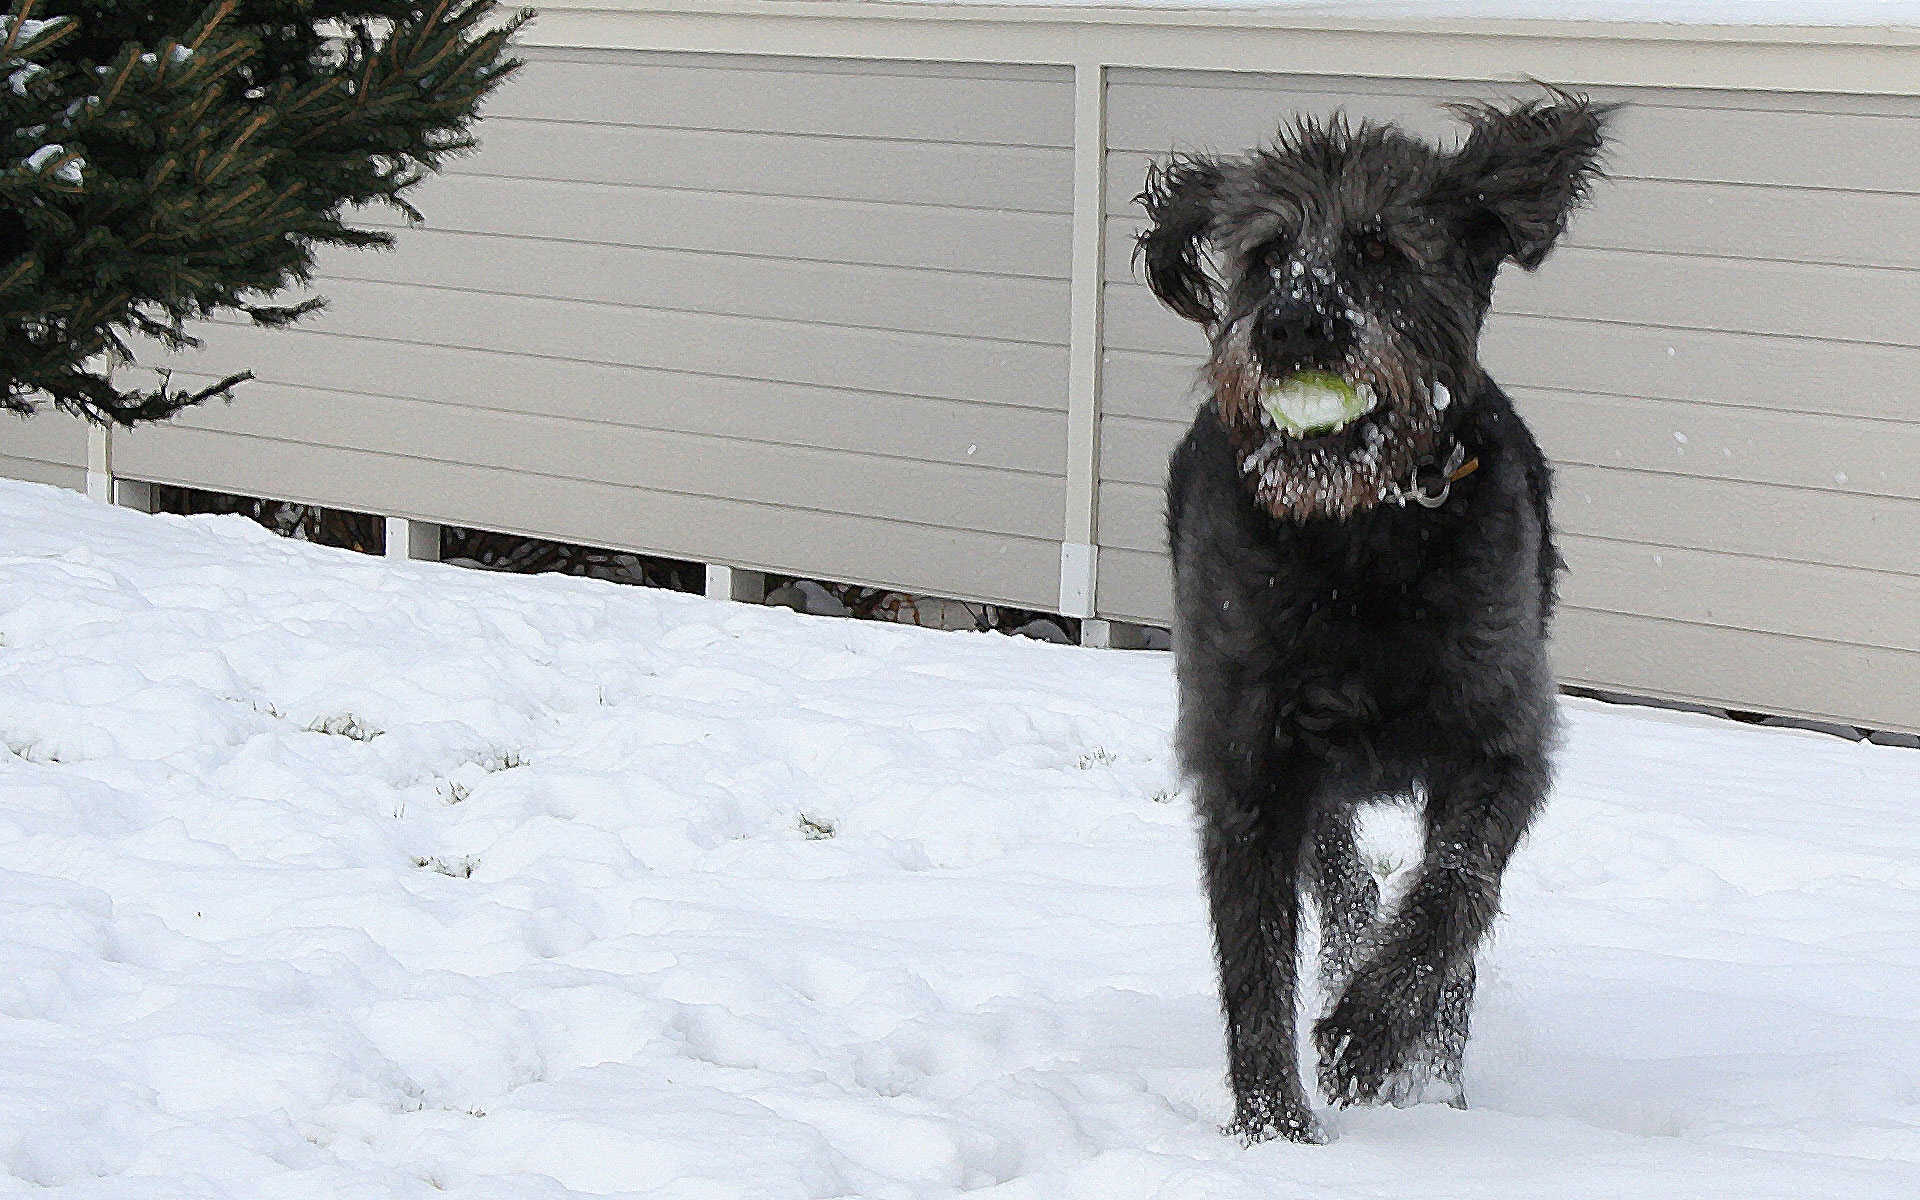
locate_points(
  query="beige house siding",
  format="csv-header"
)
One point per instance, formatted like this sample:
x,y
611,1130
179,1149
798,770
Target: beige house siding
x,y
844,290
774,313
48,448
1723,359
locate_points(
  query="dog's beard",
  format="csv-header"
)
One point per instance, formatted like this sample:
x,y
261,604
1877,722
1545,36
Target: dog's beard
x,y
1340,474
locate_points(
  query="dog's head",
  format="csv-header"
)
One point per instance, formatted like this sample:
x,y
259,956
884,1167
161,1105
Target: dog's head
x,y
1343,274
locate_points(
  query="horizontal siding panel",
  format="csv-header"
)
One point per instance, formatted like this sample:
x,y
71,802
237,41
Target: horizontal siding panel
x,y
1758,519
1860,685
1133,516
1032,179
962,563
1863,304
1024,107
876,360
1709,588
1135,320
1134,586
827,480
1218,114
33,470
1161,387
1678,217
1435,91
1772,374
909,299
1676,437
1868,229
1723,368
1790,374
904,235
1648,655
1740,518
950,431
1769,595
1135,450
1764,141
1704,587
1860,151
49,436
1617,286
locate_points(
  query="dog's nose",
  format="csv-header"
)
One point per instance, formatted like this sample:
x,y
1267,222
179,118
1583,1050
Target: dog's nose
x,y
1292,335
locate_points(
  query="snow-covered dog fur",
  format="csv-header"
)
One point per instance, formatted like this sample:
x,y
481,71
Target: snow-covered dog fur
x,y
1361,613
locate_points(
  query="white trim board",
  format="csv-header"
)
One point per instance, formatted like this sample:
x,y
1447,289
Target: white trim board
x,y
1871,60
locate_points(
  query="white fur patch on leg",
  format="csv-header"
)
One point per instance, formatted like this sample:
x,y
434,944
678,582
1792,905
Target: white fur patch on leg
x,y
1391,834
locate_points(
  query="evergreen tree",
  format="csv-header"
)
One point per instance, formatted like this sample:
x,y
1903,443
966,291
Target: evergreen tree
x,y
162,161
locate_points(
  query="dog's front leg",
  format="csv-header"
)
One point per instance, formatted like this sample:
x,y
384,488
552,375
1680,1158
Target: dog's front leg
x,y
1252,858
1348,896
1403,1016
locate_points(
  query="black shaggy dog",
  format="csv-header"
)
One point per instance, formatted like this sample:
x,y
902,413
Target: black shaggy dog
x,y
1362,591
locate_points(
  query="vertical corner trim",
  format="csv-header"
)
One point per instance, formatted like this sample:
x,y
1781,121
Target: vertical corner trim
x,y
1083,350
1079,562
99,462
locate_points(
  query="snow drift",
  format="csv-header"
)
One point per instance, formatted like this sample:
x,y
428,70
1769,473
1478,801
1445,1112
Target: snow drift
x,y
322,876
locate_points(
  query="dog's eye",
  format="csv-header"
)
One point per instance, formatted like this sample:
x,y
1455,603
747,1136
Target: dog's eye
x,y
1373,248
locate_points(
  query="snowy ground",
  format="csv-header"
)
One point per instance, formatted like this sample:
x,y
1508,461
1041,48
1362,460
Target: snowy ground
x,y
321,877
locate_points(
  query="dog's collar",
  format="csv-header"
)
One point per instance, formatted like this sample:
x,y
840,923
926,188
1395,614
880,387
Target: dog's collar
x,y
1431,480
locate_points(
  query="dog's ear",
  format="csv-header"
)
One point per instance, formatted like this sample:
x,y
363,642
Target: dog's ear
x,y
1523,170
1180,199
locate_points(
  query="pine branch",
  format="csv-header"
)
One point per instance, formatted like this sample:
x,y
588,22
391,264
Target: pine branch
x,y
189,158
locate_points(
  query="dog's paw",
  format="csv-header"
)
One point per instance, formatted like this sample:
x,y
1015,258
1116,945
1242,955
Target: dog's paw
x,y
1357,1054
1369,1045
1368,1057
1261,1119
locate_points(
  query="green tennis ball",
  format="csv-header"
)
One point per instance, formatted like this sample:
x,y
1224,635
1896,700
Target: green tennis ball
x,y
1312,402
